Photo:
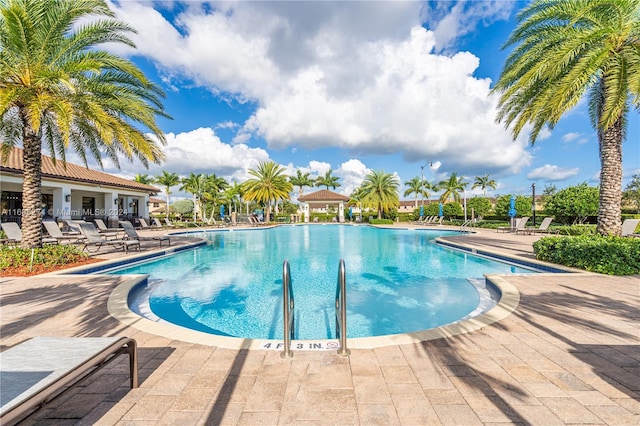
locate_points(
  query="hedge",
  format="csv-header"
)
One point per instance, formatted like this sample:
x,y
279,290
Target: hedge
x,y
605,255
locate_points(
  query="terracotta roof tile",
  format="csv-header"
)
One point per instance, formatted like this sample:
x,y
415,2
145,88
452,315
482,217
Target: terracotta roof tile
x,y
323,195
73,172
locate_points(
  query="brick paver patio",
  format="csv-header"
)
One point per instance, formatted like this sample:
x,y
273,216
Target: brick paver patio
x,y
569,354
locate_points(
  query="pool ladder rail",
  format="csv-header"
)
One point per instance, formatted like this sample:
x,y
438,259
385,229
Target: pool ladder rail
x,y
289,316
289,304
341,310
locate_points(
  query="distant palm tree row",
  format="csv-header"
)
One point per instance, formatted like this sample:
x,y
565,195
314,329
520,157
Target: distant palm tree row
x,y
450,187
269,186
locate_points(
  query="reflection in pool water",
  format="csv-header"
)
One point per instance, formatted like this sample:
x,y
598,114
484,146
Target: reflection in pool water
x,y
398,281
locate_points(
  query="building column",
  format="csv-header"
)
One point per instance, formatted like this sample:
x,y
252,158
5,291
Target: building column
x,y
112,209
341,212
305,211
62,207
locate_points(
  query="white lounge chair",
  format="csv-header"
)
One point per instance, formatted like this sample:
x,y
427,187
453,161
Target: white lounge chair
x,y
39,370
629,227
519,224
14,233
543,228
131,233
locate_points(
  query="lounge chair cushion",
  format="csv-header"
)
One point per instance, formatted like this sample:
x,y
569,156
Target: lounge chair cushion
x,y
35,371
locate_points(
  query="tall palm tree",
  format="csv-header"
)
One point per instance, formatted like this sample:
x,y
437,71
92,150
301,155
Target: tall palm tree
x,y
195,184
58,88
167,180
269,184
380,191
565,49
484,182
418,187
328,180
301,180
145,179
451,187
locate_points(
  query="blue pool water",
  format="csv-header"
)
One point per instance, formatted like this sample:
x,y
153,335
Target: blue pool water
x,y
398,281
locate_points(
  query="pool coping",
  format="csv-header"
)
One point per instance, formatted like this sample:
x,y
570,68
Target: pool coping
x,y
118,307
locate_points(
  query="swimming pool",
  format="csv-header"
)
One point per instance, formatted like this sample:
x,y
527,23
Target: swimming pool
x,y
398,281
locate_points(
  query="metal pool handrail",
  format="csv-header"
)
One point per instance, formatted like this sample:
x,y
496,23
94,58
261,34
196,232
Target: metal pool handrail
x,y
341,310
288,304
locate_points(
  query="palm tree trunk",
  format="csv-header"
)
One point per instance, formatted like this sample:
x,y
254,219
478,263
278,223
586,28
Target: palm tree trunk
x,y
610,208
31,188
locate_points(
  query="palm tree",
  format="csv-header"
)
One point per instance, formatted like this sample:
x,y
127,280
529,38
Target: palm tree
x,y
269,184
451,187
167,180
301,180
145,179
483,182
195,184
214,191
59,89
418,187
327,180
565,49
380,191
234,194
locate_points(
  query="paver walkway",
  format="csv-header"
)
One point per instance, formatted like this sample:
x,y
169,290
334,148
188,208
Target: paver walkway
x,y
569,354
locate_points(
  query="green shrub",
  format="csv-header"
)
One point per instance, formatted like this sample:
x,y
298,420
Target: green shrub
x,y
48,256
605,255
381,221
575,229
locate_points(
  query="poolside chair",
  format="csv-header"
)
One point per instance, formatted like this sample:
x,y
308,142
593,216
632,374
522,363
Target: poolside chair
x,y
74,227
543,228
36,371
629,227
144,225
54,231
94,239
168,222
519,223
133,235
157,223
14,233
104,230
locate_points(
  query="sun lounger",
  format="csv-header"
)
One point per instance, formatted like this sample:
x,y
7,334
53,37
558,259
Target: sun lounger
x,y
54,231
94,239
629,227
131,233
520,223
104,230
542,229
157,223
38,370
14,233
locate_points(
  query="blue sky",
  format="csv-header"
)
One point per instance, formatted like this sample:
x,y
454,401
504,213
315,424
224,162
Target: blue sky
x,y
352,86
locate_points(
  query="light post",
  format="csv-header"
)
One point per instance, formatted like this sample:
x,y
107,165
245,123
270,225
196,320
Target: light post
x,y
422,179
533,202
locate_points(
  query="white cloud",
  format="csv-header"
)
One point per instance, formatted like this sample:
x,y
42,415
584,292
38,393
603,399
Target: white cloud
x,y
574,137
362,76
454,20
552,173
351,174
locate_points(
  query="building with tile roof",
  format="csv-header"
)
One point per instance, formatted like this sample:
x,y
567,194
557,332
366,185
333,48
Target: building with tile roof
x,y
322,201
70,191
